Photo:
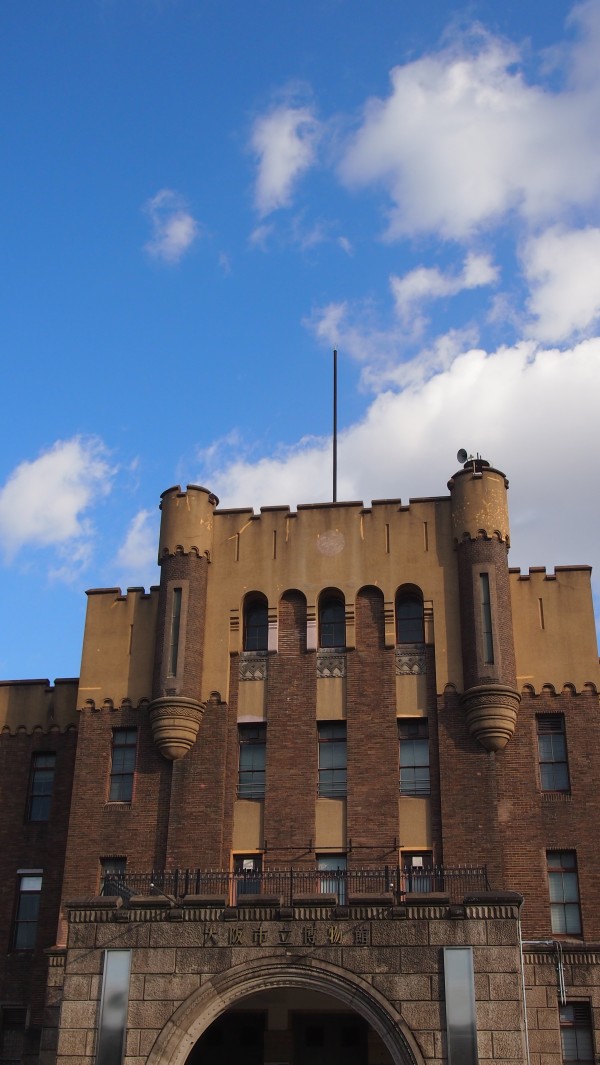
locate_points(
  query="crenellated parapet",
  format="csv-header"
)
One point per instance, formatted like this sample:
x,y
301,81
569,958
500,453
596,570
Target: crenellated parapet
x,y
37,706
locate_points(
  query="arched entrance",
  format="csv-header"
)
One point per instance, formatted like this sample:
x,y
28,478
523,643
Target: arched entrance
x,y
238,985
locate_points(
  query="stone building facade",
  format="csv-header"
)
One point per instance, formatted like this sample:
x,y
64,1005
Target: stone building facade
x,y
325,794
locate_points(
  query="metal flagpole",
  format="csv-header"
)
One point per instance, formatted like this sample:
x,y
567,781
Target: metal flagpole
x,y
334,425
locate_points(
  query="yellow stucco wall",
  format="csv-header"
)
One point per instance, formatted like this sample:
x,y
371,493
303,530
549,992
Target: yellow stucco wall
x,y
555,635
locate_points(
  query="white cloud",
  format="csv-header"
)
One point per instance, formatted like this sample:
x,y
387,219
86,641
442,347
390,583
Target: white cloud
x,y
174,229
429,283
284,141
136,557
260,236
506,404
563,270
463,138
346,245
384,350
44,502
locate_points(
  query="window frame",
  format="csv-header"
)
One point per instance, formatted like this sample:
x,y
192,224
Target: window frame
x,y
41,787
410,627
125,776
332,632
332,874
25,925
563,893
19,1016
417,871
247,872
255,636
558,737
249,747
118,871
414,784
581,1022
332,781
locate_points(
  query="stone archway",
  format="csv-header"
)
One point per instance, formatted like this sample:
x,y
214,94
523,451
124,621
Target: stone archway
x,y
225,989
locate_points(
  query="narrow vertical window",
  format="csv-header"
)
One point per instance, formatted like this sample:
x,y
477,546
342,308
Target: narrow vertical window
x,y
41,783
486,618
332,759
409,619
113,1007
459,993
112,873
13,1024
28,908
124,746
247,874
552,751
332,622
576,1033
414,757
253,746
417,871
256,624
332,875
563,885
175,627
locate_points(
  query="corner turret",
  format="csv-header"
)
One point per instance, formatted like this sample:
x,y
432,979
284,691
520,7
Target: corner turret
x,y
186,537
481,536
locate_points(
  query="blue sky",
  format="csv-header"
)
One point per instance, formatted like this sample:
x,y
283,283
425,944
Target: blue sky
x,y
200,199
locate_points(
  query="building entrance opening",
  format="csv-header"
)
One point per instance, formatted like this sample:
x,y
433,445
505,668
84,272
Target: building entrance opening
x,y
291,1026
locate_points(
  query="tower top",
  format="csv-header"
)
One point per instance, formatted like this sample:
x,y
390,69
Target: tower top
x,y
479,502
186,520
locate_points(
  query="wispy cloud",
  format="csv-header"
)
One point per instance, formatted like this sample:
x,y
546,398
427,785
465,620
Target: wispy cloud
x,y
260,235
46,502
430,283
174,229
284,142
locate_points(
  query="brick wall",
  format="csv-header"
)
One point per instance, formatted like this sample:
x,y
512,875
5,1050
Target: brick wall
x,y
372,737
31,845
291,770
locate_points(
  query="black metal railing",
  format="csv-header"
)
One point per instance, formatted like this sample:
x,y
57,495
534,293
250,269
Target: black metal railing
x,y
292,884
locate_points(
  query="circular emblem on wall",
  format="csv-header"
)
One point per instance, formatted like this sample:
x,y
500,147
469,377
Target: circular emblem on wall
x,y
331,542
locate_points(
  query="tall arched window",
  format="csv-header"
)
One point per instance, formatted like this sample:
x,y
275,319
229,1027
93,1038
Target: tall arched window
x,y
256,623
409,617
332,620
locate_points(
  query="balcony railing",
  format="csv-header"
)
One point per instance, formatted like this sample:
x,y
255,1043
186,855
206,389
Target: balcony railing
x,y
293,884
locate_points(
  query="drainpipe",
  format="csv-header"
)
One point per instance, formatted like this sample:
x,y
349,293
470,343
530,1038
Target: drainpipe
x,y
524,995
560,974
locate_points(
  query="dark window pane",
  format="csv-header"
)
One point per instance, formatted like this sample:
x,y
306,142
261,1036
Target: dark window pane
x,y
332,623
252,760
28,906
409,619
256,626
332,759
41,786
563,888
552,753
124,751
